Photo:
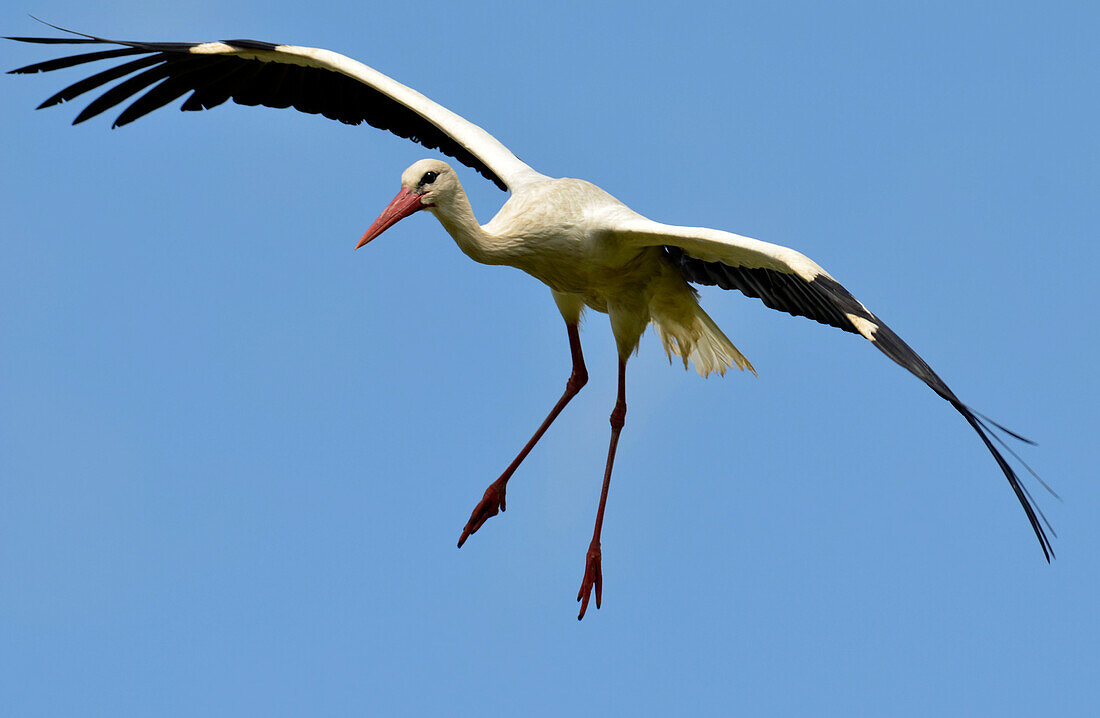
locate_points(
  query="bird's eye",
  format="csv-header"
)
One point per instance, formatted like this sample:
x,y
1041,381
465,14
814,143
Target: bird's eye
x,y
428,178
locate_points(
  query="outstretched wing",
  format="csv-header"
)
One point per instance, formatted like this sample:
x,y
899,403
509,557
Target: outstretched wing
x,y
262,73
791,282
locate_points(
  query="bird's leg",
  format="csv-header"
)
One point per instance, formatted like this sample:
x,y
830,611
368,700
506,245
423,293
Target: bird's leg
x,y
593,573
493,500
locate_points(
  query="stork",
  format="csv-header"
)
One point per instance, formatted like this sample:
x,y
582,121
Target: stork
x,y
590,249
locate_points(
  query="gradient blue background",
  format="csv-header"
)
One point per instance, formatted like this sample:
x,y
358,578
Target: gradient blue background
x,y
235,456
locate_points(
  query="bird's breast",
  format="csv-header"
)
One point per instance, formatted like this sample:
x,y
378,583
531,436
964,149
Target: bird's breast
x,y
557,232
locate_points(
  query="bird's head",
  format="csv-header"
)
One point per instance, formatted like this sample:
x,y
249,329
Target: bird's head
x,y
423,185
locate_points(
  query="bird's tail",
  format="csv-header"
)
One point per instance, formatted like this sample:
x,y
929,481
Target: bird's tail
x,y
700,341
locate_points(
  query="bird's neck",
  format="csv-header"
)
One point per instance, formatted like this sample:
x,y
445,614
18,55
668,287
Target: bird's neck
x,y
457,217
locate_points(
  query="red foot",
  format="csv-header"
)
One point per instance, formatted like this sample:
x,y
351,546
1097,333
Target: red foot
x,y
491,503
593,577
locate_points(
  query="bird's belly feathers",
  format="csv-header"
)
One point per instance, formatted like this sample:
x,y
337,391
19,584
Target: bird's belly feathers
x,y
570,268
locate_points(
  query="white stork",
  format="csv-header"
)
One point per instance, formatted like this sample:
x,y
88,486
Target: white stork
x,y
590,249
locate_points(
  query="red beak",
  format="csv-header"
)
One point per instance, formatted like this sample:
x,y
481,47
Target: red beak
x,y
405,203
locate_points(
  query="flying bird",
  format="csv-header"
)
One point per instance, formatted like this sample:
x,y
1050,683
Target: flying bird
x,y
590,249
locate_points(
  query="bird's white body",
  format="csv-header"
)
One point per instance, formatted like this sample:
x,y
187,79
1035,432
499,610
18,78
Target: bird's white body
x,y
562,232
590,249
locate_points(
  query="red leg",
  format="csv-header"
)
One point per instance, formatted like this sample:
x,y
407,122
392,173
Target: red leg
x,y
593,573
493,500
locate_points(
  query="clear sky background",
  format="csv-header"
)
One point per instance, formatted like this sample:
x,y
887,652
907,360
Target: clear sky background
x,y
235,456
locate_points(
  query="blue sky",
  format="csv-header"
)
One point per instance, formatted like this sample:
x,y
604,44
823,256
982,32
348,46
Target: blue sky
x,y
235,456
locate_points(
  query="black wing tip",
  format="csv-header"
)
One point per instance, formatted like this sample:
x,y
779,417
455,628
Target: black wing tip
x,y
81,37
52,40
1034,513
894,347
55,40
1006,430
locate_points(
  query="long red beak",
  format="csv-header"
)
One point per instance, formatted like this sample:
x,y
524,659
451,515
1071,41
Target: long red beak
x,y
405,203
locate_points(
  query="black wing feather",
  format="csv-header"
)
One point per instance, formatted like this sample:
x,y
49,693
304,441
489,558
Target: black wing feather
x,y
98,80
71,61
213,79
824,300
58,40
220,89
174,87
123,90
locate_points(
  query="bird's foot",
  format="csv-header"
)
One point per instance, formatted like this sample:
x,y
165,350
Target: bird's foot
x,y
491,503
593,578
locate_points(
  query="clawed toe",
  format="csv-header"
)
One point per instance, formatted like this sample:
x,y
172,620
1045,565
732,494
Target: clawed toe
x,y
491,503
593,578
